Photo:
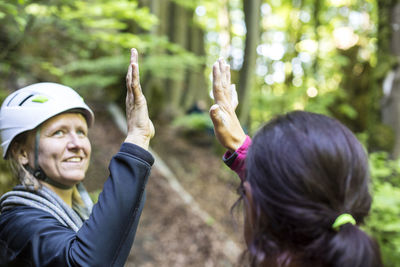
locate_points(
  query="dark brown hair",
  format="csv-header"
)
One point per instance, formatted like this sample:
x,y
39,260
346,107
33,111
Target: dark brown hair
x,y
305,170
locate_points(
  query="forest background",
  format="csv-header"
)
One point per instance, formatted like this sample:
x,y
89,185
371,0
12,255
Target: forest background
x,y
336,57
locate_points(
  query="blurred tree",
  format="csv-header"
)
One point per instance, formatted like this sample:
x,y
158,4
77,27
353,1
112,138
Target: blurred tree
x,y
252,20
329,56
179,81
369,104
388,65
84,44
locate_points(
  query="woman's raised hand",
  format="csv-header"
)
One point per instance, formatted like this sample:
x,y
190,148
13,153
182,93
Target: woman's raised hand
x,y
140,127
227,127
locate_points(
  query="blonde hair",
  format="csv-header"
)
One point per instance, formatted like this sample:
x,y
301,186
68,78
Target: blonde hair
x,y
20,172
17,169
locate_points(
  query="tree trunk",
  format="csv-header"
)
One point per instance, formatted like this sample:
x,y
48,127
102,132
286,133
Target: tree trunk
x,y
171,97
154,88
252,20
196,89
391,86
178,33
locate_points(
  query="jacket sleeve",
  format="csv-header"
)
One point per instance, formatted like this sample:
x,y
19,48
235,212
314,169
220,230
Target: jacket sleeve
x,y
237,160
105,239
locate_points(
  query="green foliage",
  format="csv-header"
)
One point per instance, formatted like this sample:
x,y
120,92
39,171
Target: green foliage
x,y
188,4
301,64
317,57
94,77
382,136
84,44
194,121
384,220
6,179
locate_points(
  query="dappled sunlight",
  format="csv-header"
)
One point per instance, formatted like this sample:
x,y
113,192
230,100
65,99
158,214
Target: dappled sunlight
x,y
345,37
312,92
329,57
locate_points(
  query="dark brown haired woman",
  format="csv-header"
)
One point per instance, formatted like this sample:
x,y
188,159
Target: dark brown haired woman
x,y
305,186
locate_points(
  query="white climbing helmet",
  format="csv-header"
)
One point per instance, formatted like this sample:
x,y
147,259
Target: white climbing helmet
x,y
27,108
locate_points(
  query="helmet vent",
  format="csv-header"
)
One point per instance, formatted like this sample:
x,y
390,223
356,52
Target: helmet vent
x,y
9,102
26,98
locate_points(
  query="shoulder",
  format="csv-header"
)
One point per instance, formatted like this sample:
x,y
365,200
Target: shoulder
x,y
20,225
17,228
23,216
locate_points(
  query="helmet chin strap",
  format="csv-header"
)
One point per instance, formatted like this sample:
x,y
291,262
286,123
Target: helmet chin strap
x,y
38,173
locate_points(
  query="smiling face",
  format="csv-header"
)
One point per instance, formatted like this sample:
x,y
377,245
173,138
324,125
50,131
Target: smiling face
x,y
64,148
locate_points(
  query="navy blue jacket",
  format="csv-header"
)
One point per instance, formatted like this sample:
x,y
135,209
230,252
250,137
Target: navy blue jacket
x,y
32,237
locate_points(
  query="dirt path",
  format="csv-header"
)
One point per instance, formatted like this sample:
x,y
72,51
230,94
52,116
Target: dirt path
x,y
170,233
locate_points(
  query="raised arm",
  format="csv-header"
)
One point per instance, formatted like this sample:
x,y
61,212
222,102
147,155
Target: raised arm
x,y
227,127
105,239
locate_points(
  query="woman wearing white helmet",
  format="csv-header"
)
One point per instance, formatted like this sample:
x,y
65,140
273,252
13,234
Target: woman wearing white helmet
x,y
49,219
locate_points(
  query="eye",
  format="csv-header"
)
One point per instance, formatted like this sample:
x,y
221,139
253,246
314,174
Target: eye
x,y
58,133
81,132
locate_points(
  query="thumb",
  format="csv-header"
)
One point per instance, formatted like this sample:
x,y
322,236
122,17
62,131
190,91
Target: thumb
x,y
217,116
214,112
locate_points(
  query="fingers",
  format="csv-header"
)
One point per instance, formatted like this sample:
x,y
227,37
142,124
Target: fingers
x,y
129,79
129,75
225,78
132,78
137,89
224,69
218,88
216,80
223,91
234,96
134,56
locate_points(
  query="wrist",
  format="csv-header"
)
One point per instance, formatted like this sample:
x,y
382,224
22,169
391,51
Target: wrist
x,y
139,141
236,143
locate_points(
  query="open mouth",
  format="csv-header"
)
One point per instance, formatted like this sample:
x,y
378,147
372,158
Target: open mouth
x,y
74,159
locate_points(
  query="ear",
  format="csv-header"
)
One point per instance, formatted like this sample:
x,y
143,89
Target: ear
x,y
250,214
249,198
20,154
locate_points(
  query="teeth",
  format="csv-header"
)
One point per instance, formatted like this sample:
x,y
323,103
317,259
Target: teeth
x,y
74,159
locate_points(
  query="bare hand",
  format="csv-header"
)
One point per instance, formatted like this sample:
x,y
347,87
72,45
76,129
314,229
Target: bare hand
x,y
140,127
227,127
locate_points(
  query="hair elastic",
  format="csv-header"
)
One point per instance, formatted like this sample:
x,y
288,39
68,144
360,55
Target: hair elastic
x,y
343,219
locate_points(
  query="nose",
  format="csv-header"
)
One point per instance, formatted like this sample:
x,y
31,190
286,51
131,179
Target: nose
x,y
74,142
